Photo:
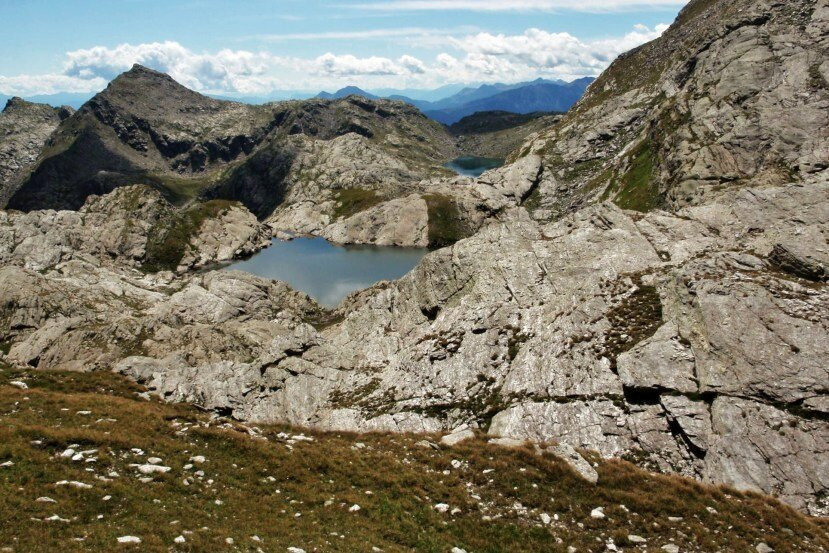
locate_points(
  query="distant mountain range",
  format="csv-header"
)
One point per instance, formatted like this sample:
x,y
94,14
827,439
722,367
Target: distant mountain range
x,y
345,92
73,99
447,104
535,96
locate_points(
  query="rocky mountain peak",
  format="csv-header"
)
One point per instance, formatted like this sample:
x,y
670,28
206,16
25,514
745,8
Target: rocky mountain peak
x,y
15,102
145,92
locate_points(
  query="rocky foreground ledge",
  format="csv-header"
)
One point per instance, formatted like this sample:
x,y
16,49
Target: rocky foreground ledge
x,y
692,343
88,464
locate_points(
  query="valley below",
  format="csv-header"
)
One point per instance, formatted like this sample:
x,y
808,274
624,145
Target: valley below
x,y
337,324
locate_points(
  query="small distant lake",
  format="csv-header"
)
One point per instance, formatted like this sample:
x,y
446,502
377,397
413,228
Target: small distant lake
x,y
473,166
327,272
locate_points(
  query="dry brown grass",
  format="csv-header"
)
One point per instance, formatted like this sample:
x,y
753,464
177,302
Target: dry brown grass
x,y
263,482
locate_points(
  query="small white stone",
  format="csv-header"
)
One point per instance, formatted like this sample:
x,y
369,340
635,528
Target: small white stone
x,y
45,499
74,484
295,550
441,507
229,541
458,550
545,518
19,384
153,469
633,538
154,460
598,512
670,548
198,459
180,539
354,508
129,539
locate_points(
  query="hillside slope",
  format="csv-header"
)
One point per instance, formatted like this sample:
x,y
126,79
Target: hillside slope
x,y
731,94
96,462
497,134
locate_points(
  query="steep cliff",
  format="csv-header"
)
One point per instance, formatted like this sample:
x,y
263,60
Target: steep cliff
x,y
733,94
24,129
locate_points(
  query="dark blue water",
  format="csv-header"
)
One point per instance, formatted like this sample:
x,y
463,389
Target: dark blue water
x,y
327,272
472,166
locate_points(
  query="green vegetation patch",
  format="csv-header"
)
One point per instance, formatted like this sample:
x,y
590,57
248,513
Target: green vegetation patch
x,y
634,319
350,201
637,189
816,79
445,223
179,190
170,237
533,199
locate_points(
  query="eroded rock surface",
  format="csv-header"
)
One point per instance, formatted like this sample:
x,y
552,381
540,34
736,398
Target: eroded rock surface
x,y
24,129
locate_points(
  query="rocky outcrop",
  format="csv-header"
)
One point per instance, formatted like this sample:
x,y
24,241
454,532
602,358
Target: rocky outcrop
x,y
409,220
24,129
629,336
641,336
120,228
733,94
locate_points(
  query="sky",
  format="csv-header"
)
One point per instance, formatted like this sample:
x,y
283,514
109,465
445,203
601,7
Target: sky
x,y
264,47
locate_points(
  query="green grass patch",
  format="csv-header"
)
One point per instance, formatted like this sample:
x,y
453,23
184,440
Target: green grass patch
x,y
637,189
445,223
816,79
533,199
170,237
350,201
179,190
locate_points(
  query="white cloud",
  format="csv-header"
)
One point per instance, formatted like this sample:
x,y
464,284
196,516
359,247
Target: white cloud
x,y
349,66
223,71
468,58
517,5
537,51
412,64
31,85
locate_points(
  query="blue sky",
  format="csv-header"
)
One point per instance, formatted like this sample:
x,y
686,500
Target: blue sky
x,y
258,47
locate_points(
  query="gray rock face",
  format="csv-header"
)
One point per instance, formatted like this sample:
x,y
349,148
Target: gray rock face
x,y
575,461
652,336
733,94
116,229
404,220
24,129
